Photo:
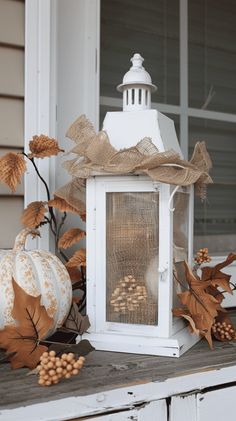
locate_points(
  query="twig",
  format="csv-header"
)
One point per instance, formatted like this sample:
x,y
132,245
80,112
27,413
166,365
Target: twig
x,y
60,227
63,255
46,187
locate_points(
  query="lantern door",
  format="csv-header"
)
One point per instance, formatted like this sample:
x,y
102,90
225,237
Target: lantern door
x,y
182,207
127,256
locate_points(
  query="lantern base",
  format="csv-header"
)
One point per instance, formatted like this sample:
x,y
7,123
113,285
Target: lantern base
x,y
173,346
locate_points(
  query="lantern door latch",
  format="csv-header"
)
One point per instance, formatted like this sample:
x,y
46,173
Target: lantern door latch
x,y
162,270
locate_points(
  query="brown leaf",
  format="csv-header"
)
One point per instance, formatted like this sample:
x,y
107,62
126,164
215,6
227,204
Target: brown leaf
x,y
12,167
43,146
70,237
202,307
33,215
82,348
78,259
75,274
75,321
180,312
62,205
83,216
32,325
218,278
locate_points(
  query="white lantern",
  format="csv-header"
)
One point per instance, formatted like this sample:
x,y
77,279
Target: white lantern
x,y
136,241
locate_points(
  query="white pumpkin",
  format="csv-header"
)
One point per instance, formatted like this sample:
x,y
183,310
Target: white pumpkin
x,y
38,272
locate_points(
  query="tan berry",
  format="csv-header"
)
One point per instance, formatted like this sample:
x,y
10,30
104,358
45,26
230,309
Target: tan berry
x,y
69,367
52,353
41,382
75,371
64,357
48,383
67,375
59,370
52,373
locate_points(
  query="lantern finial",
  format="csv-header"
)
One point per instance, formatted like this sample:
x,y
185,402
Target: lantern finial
x,y
137,86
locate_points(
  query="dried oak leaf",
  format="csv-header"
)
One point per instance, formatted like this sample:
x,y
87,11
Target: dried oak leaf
x,y
78,259
33,215
43,146
201,306
70,237
62,205
181,312
82,348
218,278
75,321
32,325
12,167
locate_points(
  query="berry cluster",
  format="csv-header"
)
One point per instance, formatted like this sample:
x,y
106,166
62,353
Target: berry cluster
x,y
51,368
223,331
202,256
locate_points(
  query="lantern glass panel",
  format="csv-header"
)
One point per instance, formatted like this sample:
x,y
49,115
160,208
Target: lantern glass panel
x,y
180,240
132,249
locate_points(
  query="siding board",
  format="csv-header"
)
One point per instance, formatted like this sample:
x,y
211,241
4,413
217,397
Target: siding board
x,y
12,71
12,12
10,213
12,122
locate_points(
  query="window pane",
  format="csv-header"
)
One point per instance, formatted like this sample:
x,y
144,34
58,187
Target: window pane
x,y
150,28
215,219
132,245
212,54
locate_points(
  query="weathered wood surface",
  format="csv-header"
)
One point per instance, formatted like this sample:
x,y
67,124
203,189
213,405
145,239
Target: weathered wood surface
x,y
106,371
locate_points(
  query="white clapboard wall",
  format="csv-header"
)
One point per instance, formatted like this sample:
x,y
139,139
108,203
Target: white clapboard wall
x,y
11,110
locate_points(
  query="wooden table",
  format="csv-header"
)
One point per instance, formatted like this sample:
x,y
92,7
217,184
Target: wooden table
x,y
199,386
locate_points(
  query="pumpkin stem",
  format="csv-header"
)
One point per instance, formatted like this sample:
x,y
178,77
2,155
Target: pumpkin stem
x,y
21,238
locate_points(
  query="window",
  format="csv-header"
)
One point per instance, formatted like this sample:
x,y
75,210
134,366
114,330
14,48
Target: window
x,y
190,51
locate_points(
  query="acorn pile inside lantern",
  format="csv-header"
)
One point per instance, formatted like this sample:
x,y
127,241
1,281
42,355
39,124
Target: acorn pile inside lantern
x,y
139,232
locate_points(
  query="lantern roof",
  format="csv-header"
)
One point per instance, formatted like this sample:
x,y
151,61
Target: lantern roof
x,y
137,75
137,120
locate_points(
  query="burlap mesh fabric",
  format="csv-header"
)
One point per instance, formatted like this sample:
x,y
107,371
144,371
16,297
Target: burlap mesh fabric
x,y
131,244
74,194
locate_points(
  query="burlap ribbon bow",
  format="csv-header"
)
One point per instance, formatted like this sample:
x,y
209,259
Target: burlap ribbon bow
x,y
96,156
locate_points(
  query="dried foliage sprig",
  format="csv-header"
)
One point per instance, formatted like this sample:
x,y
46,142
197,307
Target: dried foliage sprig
x,y
201,301
12,167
